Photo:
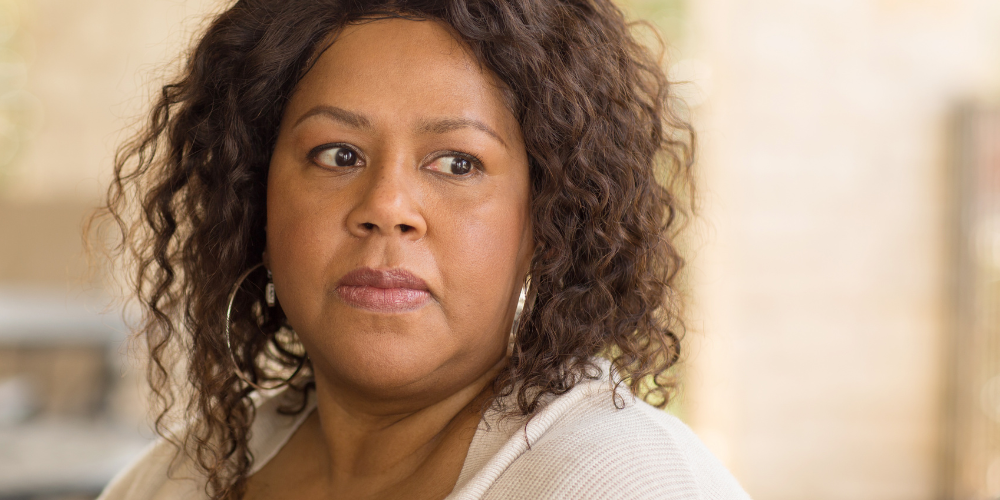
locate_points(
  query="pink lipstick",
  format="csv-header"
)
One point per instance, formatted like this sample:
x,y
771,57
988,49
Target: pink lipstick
x,y
388,290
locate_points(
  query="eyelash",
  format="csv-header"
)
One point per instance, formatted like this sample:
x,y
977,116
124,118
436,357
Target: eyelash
x,y
477,163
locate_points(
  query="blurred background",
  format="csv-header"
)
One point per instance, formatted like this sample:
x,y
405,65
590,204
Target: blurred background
x,y
844,326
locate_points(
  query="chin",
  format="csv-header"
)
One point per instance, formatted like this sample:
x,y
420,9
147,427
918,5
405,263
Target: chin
x,y
384,365
401,376
405,357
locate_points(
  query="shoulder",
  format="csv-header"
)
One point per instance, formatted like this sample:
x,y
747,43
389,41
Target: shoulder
x,y
160,472
592,449
156,474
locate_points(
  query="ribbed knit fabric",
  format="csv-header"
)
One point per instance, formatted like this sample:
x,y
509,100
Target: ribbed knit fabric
x,y
579,446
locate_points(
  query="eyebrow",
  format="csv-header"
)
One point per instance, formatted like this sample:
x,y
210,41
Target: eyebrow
x,y
437,126
445,125
349,118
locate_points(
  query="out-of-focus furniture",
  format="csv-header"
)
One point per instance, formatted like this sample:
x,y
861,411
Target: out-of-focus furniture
x,y
59,368
63,431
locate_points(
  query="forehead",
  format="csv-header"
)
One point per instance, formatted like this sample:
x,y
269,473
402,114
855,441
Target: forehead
x,y
403,68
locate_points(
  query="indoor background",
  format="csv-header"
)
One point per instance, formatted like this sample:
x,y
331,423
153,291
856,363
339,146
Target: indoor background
x,y
843,334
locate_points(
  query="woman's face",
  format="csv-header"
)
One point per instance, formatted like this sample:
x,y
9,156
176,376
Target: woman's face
x,y
398,229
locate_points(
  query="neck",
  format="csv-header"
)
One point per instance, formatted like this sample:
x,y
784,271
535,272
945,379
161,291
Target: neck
x,y
419,451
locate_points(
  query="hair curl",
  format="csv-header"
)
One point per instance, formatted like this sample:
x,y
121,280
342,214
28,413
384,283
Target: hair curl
x,y
609,165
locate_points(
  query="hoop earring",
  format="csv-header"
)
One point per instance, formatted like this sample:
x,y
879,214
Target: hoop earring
x,y
520,308
229,346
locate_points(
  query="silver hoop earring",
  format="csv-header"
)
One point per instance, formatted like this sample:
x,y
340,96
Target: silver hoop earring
x,y
229,346
520,307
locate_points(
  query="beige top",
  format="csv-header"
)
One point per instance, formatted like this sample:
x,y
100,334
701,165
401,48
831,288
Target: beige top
x,y
578,446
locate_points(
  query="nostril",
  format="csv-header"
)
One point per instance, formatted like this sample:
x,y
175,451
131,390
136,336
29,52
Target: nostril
x,y
404,227
368,225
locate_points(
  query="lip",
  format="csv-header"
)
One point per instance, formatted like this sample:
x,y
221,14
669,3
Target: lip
x,y
383,290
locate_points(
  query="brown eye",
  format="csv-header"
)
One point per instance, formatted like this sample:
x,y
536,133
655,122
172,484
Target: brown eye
x,y
460,166
337,156
453,164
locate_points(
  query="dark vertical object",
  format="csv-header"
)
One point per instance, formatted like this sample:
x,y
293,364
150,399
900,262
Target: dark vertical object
x,y
971,458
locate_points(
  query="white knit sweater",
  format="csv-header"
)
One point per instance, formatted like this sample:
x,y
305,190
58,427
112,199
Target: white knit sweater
x,y
579,447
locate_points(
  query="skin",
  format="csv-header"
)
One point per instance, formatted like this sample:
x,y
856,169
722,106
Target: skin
x,y
398,392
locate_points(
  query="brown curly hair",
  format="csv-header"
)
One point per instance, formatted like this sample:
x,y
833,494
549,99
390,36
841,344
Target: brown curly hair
x,y
610,169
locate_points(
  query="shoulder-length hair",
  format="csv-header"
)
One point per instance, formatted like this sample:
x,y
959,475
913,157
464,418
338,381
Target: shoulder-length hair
x,y
609,162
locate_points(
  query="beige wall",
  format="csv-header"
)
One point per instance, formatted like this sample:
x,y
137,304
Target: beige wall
x,y
88,65
84,71
821,280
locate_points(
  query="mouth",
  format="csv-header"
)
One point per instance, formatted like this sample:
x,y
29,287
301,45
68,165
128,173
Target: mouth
x,y
383,290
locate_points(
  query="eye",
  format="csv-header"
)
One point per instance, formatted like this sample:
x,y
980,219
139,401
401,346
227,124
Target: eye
x,y
454,164
336,155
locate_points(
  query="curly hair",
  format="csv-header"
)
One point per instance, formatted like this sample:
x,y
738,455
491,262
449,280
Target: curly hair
x,y
610,173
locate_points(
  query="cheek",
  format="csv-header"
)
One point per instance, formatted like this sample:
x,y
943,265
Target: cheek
x,y
479,260
299,248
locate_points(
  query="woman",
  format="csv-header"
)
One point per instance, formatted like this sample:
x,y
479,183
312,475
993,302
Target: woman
x,y
342,203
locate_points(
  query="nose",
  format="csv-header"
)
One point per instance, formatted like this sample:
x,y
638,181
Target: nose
x,y
387,205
